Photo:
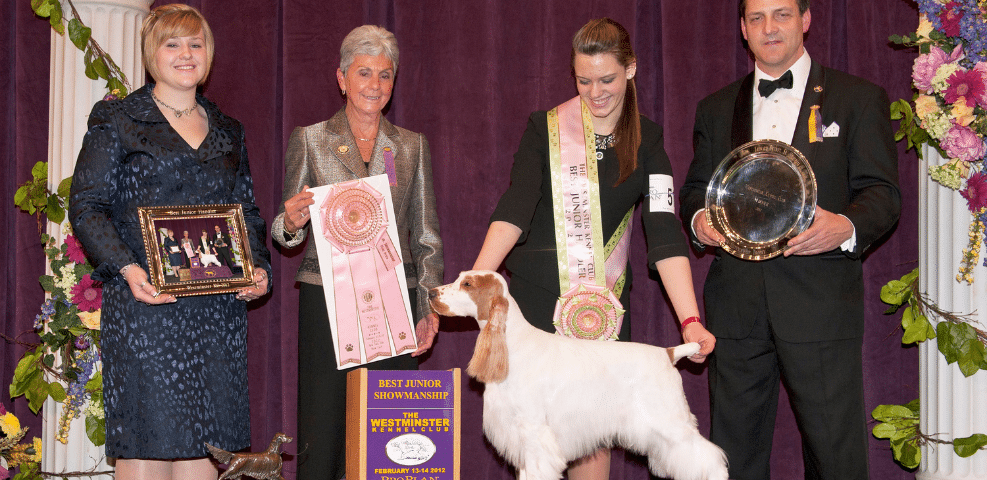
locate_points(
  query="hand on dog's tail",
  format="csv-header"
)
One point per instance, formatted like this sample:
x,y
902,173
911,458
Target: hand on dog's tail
x,y
685,350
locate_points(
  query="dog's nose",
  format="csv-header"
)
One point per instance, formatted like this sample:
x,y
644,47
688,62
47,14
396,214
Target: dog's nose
x,y
433,292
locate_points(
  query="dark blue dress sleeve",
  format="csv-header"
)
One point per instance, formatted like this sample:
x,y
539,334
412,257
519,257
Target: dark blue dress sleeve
x,y
94,187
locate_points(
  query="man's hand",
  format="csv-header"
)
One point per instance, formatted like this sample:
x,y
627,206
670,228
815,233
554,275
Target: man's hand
x,y
705,233
828,231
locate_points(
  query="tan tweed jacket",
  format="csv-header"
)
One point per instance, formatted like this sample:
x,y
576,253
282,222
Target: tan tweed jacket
x,y
326,153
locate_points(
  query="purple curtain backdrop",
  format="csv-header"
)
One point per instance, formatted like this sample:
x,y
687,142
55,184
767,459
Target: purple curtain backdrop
x,y
470,72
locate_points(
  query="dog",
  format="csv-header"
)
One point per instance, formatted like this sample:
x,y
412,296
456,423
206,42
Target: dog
x,y
550,399
262,465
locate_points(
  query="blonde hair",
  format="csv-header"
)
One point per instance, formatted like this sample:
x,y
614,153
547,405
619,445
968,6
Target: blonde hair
x,y
169,21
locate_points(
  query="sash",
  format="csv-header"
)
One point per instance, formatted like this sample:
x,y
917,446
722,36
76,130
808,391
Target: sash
x,y
369,303
591,273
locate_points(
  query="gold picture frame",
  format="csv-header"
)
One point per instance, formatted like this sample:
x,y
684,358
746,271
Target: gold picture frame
x,y
214,259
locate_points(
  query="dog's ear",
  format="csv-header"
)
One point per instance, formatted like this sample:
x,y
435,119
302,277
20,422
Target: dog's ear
x,y
490,363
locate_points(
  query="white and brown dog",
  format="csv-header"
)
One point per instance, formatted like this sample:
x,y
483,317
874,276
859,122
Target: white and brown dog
x,y
550,399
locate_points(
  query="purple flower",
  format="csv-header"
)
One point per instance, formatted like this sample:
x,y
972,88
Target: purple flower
x,y
963,143
74,250
968,84
82,342
86,295
975,192
925,67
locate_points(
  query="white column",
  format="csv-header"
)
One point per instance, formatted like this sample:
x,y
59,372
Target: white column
x,y
115,26
953,406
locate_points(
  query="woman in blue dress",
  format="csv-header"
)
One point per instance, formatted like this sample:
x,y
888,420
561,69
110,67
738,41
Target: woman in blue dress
x,y
174,369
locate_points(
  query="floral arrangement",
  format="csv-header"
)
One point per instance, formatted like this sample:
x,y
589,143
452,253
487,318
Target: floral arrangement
x,y
69,322
14,453
64,365
950,76
950,114
68,326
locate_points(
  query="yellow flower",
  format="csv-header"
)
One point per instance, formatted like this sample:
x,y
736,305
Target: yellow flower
x,y
925,27
37,449
10,424
962,113
926,105
90,319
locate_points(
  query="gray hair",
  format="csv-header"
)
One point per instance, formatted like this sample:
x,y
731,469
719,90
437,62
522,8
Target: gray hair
x,y
368,40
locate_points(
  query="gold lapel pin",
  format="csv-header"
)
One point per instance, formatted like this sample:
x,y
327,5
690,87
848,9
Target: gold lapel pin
x,y
343,149
818,88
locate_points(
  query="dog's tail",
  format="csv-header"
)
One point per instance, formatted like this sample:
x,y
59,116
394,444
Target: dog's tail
x,y
685,350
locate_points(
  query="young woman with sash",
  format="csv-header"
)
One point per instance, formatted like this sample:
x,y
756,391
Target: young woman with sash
x,y
564,223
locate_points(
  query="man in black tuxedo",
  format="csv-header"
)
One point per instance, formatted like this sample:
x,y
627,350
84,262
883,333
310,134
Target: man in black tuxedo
x,y
797,317
221,242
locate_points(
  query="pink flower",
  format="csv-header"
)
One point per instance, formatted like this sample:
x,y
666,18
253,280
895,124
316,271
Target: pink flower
x,y
3,411
967,84
74,250
975,192
950,17
86,295
925,67
4,473
963,143
981,68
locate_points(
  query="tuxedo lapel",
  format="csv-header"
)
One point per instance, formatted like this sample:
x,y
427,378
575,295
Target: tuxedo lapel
x,y
814,95
743,114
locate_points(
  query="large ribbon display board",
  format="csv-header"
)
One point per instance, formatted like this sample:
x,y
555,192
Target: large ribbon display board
x,y
355,234
403,424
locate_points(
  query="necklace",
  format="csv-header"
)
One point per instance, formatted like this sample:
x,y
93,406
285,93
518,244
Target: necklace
x,y
178,113
364,139
603,142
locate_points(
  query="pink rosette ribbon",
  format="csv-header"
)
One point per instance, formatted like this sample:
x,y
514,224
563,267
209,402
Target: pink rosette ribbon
x,y
589,312
368,295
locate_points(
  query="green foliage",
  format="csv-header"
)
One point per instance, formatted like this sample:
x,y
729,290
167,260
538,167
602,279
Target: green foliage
x,y
959,344
34,197
899,424
28,471
29,380
966,447
98,64
958,341
909,127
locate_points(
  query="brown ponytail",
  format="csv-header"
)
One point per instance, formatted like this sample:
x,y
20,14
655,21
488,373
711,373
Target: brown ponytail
x,y
604,35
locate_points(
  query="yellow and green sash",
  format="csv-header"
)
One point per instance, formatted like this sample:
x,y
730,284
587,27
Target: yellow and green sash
x,y
591,274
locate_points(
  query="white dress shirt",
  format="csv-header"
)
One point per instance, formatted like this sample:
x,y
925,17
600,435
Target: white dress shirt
x,y
776,116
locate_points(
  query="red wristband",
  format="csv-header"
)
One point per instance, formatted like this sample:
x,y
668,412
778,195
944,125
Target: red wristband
x,y
690,320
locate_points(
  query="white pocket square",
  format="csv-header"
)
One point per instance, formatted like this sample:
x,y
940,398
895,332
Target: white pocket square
x,y
833,130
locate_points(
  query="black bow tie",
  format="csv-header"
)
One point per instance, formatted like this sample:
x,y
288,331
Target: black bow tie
x,y
767,87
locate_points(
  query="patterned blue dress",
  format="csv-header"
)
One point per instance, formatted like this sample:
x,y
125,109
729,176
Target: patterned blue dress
x,y
174,375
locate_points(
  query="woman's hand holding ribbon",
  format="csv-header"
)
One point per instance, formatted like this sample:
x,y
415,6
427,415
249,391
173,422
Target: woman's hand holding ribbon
x,y
296,210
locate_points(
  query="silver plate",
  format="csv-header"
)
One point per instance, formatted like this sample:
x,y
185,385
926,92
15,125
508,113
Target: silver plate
x,y
762,194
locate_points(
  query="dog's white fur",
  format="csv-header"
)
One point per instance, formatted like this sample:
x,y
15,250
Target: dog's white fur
x,y
550,399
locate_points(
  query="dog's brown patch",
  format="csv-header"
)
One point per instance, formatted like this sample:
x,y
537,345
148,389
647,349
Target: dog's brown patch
x,y
437,305
490,360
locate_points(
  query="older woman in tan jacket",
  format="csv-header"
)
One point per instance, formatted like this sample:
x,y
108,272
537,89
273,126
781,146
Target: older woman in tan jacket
x,y
356,142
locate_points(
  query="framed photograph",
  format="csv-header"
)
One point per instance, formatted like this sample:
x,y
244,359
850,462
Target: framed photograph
x,y
197,249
